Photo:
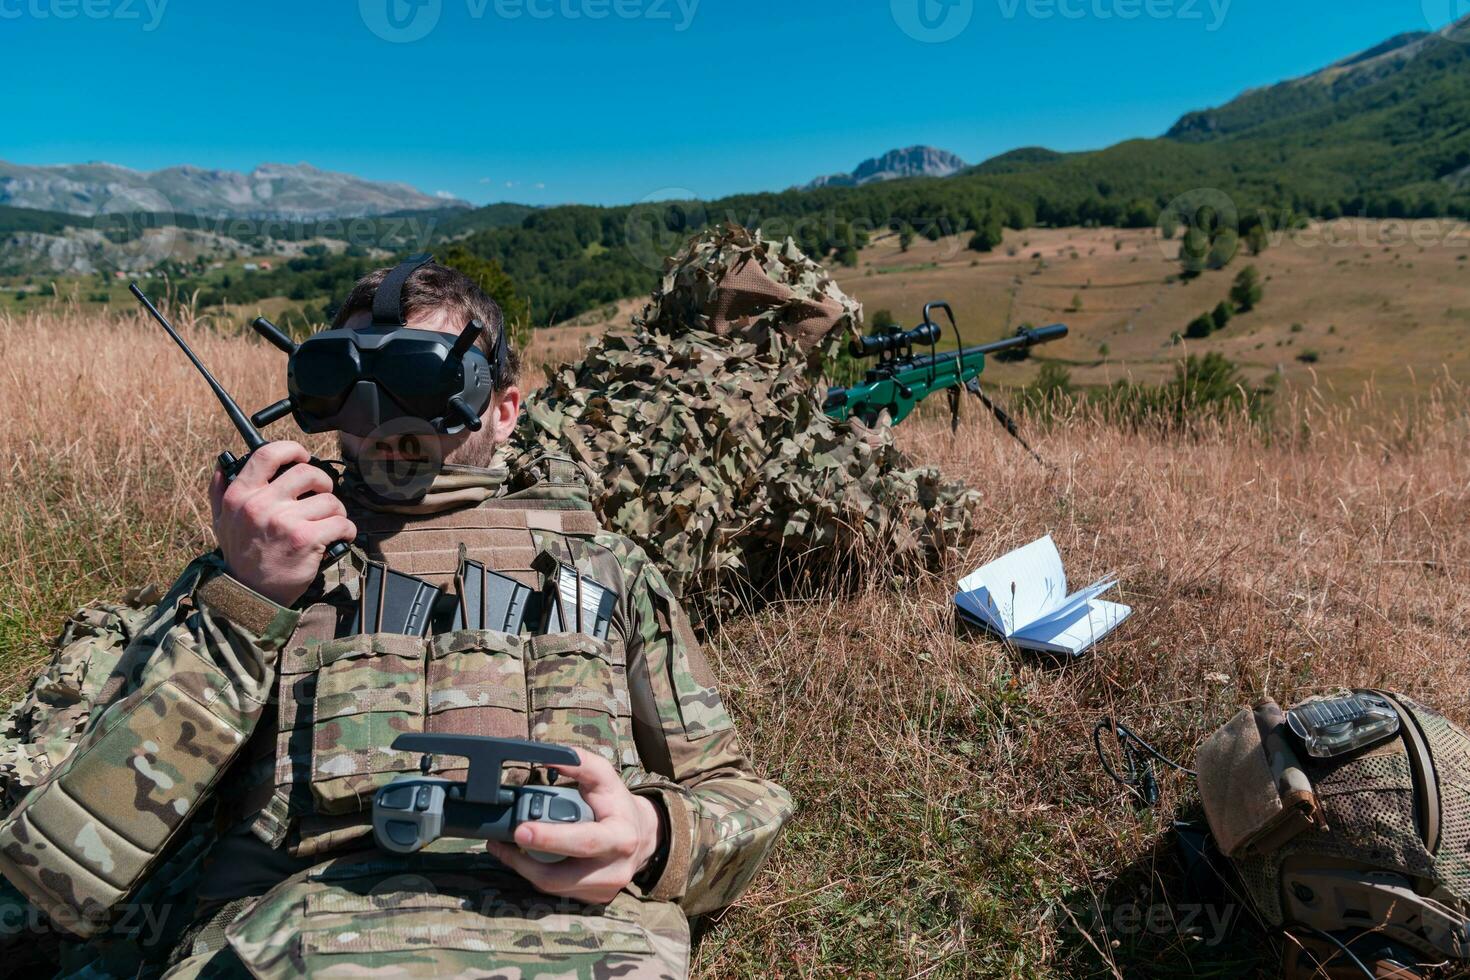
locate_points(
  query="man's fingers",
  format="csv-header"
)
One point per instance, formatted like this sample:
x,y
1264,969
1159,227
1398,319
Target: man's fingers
x,y
267,461
602,839
317,507
570,879
300,480
544,877
321,534
592,774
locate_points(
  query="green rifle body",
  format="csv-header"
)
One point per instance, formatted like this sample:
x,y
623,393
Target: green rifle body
x,y
898,383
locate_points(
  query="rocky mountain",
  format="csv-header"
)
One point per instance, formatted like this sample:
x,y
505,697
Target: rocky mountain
x,y
915,161
272,191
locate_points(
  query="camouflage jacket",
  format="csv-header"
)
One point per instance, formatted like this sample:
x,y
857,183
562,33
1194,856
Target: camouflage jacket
x,y
221,646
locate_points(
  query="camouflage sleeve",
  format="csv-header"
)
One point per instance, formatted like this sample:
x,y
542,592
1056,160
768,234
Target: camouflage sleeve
x,y
723,819
216,619
181,701
40,728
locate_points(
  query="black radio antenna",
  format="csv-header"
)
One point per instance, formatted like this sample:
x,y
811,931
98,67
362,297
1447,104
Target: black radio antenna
x,y
253,439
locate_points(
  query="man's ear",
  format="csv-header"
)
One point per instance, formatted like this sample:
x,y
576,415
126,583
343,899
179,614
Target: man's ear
x,y
505,410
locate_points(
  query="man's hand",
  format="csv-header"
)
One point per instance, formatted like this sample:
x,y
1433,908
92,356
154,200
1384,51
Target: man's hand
x,y
274,529
602,857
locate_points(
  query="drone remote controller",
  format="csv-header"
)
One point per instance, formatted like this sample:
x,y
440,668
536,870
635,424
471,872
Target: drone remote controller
x,y
414,811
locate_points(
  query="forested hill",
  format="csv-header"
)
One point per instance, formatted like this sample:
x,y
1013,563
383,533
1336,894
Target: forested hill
x,y
1314,91
1385,133
1382,133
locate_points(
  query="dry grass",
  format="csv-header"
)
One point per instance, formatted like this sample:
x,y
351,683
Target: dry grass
x,y
952,796
951,808
1384,300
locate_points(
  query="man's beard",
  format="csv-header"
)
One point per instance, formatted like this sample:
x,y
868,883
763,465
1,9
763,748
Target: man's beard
x,y
478,450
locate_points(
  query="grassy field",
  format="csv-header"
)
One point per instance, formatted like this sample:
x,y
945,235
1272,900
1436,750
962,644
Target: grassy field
x,y
1380,301
1374,300
953,819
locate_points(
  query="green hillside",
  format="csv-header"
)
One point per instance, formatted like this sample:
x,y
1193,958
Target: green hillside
x,y
1385,133
1302,95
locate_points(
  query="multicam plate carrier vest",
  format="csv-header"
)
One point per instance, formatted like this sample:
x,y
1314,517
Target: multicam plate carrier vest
x,y
343,700
226,707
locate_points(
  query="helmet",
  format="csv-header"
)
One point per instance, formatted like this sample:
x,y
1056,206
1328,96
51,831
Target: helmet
x,y
1348,820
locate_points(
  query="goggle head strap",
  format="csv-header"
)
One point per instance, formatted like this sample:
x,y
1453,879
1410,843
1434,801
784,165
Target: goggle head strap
x,y
388,300
388,312
500,364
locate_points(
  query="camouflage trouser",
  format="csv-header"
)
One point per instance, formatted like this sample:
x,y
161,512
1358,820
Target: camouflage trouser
x,y
355,917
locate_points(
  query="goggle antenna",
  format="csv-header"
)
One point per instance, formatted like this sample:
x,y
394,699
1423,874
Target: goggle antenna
x,y
467,337
251,434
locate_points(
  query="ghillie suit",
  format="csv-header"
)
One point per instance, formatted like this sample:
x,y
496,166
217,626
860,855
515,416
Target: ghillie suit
x,y
704,433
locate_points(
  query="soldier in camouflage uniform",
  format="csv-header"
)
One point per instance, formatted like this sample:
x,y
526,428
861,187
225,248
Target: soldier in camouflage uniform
x,y
706,429
237,711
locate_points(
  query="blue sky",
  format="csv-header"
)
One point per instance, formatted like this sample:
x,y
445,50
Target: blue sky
x,y
609,101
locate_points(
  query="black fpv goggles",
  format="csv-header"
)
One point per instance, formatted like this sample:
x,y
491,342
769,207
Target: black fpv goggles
x,y
360,380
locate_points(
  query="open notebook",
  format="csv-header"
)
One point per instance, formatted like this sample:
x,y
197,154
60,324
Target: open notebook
x,y
1023,597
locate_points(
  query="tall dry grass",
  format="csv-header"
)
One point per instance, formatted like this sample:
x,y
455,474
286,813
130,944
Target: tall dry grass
x,y
108,437
953,818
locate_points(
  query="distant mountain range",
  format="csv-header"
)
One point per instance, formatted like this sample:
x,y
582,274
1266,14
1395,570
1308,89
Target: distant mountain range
x,y
1384,133
915,161
272,191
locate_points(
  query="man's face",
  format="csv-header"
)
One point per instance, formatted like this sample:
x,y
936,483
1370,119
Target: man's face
x,y
470,448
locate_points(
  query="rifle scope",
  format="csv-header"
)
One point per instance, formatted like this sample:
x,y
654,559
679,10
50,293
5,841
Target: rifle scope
x,y
895,339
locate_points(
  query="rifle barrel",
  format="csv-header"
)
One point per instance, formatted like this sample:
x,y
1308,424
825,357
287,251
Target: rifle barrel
x,y
1026,338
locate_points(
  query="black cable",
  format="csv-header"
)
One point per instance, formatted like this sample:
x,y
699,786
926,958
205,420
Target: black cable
x,y
1136,755
1371,975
